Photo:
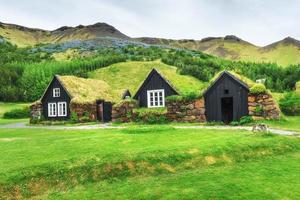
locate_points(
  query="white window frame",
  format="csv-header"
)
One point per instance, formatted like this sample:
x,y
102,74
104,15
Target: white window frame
x,y
56,92
62,109
52,110
156,104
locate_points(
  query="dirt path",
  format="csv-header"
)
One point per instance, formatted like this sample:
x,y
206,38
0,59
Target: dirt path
x,y
108,126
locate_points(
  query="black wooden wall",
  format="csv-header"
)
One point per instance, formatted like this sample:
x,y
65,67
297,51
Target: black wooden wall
x,y
48,98
153,82
216,92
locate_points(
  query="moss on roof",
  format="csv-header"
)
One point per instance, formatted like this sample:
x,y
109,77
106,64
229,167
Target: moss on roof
x,y
131,75
242,78
88,90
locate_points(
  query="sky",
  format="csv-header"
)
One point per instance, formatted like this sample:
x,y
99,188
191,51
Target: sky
x,y
260,22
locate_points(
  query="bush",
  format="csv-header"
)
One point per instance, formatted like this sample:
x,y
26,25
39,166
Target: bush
x,y
290,104
85,117
246,120
17,114
74,117
258,88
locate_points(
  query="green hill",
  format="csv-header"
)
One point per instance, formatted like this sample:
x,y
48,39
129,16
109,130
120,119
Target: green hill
x,y
130,75
284,52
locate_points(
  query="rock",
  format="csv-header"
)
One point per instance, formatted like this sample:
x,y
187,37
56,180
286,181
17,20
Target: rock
x,y
251,99
253,104
269,107
199,103
256,118
251,108
190,106
260,128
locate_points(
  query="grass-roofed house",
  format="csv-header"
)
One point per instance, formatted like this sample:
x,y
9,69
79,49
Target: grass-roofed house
x,y
67,95
228,97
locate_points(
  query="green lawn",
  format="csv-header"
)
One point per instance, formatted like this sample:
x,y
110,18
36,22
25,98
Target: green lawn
x,y
271,178
146,162
289,123
5,107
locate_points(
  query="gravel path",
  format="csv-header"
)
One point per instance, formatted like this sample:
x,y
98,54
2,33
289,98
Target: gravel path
x,y
108,126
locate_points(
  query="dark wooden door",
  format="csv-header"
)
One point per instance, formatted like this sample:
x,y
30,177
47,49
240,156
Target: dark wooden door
x,y
227,109
100,111
107,108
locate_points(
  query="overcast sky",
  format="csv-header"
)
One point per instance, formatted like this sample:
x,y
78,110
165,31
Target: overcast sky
x,y
258,21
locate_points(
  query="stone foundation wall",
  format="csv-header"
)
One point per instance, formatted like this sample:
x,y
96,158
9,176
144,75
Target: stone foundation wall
x,y
36,112
263,106
123,112
186,111
80,109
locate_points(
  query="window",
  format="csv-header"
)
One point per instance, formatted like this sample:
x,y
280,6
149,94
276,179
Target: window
x,y
56,92
51,109
226,91
156,98
61,109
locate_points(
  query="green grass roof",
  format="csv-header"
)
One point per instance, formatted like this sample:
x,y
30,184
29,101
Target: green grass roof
x,y
131,75
88,90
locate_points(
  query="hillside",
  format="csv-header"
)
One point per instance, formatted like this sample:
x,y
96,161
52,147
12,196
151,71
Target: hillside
x,y
284,52
130,75
23,36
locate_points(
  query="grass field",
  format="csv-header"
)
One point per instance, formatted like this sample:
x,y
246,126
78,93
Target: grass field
x,y
5,107
119,76
288,123
147,162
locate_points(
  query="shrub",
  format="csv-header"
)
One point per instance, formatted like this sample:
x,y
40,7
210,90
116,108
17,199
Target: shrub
x,y
17,114
246,120
74,117
258,88
290,104
85,117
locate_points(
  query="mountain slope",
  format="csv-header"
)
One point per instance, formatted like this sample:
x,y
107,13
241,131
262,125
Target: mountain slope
x,y
23,36
284,52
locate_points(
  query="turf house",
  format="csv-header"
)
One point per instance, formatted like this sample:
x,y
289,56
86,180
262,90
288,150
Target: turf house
x,y
154,91
65,96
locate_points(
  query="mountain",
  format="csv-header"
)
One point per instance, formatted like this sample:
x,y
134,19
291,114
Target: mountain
x,y
23,36
284,52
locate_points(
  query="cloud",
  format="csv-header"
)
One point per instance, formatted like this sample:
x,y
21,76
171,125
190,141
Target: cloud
x,y
257,21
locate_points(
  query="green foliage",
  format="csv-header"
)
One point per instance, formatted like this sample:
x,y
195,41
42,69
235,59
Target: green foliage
x,y
74,117
19,113
245,120
28,71
290,104
150,115
85,117
185,97
258,88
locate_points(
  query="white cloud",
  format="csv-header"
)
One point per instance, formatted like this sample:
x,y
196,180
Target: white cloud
x,y
257,21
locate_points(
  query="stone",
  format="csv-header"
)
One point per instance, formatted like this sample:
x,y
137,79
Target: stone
x,y
190,106
252,108
257,118
260,128
254,104
199,103
269,107
251,98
